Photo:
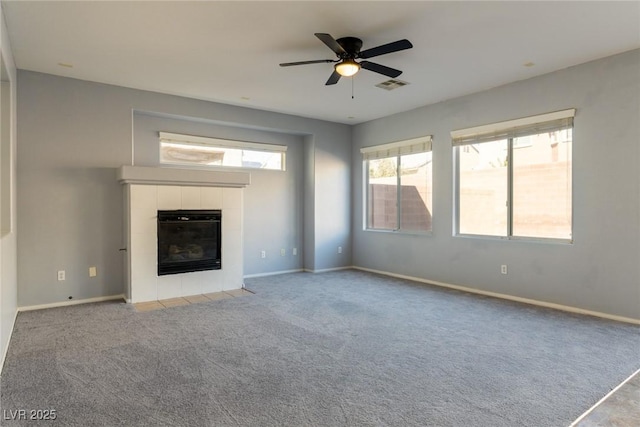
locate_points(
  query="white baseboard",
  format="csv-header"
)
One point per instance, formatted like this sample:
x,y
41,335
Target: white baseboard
x,y
272,273
6,347
326,270
71,302
507,297
306,270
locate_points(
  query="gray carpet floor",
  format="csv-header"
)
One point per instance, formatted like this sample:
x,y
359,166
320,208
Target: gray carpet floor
x,y
344,348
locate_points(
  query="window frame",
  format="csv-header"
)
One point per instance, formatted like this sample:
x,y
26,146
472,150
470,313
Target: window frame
x,y
174,138
509,130
423,144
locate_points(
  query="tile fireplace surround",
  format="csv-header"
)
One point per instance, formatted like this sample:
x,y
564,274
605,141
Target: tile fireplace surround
x,y
149,189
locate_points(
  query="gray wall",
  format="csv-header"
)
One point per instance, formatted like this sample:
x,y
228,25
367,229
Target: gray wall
x,y
72,135
600,270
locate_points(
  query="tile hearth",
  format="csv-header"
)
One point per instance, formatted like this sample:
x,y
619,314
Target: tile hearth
x,y
192,299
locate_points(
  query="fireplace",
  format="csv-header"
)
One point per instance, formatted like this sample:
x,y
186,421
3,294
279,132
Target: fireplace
x,y
148,192
189,240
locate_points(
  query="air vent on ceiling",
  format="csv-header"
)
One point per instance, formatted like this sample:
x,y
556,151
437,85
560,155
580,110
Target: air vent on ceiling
x,y
392,84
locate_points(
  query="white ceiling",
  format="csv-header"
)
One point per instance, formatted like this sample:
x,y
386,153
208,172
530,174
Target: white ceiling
x,y
229,51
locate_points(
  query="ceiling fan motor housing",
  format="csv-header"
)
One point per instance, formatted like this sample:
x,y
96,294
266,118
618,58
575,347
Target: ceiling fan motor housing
x,y
351,45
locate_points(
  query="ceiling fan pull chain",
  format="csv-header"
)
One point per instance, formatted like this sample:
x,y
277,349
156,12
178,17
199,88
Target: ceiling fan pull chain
x,y
352,97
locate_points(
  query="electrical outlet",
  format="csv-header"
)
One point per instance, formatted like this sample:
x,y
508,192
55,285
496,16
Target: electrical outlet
x,y
339,249
503,269
61,275
93,272
283,252
263,254
295,251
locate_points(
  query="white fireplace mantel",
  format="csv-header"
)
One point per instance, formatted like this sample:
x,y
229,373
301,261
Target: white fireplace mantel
x,y
186,177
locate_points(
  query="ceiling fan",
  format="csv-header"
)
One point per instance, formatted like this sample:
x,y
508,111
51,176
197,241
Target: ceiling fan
x,y
348,50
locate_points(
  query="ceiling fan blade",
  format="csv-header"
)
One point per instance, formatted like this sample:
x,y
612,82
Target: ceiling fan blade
x,y
317,61
331,43
381,69
386,48
333,79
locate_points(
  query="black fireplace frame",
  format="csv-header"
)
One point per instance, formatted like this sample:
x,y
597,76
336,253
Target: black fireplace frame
x,y
199,219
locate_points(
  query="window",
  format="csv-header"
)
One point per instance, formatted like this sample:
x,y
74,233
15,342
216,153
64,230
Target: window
x,y
398,186
200,151
514,178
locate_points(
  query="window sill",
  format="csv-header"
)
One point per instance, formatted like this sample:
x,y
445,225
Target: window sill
x,y
399,232
547,240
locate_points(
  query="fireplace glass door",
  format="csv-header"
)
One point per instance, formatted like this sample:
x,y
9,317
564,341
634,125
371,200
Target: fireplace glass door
x,y
189,240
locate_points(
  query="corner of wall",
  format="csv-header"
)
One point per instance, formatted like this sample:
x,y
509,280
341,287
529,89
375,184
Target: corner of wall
x,y
8,242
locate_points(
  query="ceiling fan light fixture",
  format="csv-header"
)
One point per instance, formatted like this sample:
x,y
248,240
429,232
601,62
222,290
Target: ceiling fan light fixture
x,y
348,50
347,67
